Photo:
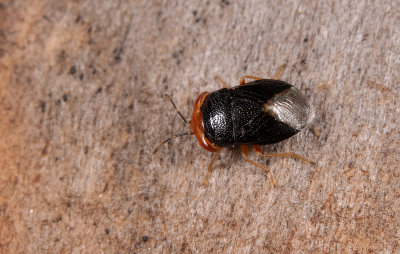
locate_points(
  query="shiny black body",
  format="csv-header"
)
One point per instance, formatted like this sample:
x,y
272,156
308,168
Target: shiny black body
x,y
236,116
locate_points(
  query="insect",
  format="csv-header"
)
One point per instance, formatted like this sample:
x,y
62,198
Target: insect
x,y
260,112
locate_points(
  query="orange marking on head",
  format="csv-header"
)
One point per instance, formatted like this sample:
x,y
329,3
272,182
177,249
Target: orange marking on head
x,y
197,125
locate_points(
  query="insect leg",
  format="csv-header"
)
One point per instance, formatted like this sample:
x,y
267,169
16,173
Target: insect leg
x,y
220,80
280,71
209,170
243,81
245,151
257,149
276,76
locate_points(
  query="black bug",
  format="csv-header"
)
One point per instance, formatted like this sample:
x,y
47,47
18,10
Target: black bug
x,y
260,112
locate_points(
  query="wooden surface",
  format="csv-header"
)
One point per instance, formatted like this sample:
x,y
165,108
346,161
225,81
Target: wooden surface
x,y
82,108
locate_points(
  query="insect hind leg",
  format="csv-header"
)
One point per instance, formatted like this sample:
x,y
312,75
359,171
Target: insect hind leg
x,y
245,151
257,149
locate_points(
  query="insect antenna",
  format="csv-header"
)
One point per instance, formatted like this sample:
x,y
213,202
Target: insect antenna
x,y
169,139
176,135
177,111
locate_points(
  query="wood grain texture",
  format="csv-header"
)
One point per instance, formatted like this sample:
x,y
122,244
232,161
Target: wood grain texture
x,y
81,85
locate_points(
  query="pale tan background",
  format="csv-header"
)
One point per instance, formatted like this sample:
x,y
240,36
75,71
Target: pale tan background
x,y
81,85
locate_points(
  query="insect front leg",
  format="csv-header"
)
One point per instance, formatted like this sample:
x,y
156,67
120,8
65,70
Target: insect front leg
x,y
219,79
209,170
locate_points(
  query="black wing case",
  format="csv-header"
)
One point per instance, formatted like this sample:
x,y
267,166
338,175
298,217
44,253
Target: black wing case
x,y
217,117
251,124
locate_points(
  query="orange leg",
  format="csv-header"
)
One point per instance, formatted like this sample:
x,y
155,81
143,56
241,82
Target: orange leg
x,y
219,79
257,149
276,76
243,81
210,167
245,151
280,71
